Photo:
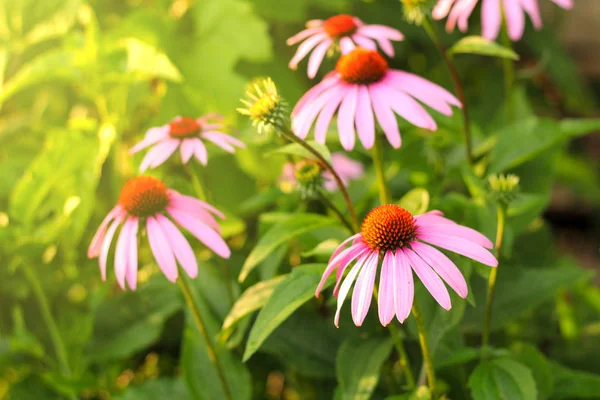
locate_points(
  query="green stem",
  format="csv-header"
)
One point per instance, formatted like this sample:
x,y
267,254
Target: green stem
x,y
195,182
492,281
404,361
210,348
329,204
458,86
427,360
377,154
289,135
55,338
507,64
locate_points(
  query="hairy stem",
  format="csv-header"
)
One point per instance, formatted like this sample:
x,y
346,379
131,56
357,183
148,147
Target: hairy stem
x,y
492,281
377,154
458,86
289,135
427,360
199,322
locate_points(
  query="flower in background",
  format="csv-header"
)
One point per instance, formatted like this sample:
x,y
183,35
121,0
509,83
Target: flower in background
x,y
459,11
399,238
349,31
415,11
147,200
361,85
346,168
265,107
186,134
504,189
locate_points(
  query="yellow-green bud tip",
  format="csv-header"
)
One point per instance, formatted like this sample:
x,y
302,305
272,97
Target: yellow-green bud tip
x,y
265,107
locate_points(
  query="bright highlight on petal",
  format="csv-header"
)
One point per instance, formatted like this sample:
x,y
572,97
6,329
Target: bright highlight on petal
x,y
147,201
391,234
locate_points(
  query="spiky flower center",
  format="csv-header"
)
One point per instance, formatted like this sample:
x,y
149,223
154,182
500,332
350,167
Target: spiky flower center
x,y
308,172
362,66
340,25
265,107
143,196
184,127
388,227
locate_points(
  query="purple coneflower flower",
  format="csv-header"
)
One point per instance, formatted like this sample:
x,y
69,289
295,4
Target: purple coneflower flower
x,y
185,133
148,200
361,85
459,11
348,30
392,233
346,168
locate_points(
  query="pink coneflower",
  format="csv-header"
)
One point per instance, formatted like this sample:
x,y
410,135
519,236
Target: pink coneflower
x,y
148,200
459,11
349,31
346,168
185,133
362,84
392,233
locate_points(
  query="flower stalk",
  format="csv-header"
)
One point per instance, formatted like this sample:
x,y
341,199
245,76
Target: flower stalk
x,y
191,301
329,204
423,340
458,86
385,195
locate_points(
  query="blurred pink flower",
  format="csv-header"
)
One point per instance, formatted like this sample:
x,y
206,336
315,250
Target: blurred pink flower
x,y
185,133
394,234
363,84
346,168
459,11
146,199
350,31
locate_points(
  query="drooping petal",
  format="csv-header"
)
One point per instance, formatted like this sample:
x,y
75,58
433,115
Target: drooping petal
x,y
346,119
159,154
515,19
302,122
365,122
181,248
380,31
187,149
132,263
330,80
177,200
463,18
314,62
443,266
566,4
346,45
364,42
386,290
462,246
122,252
163,253
110,233
491,19
222,140
430,279
153,135
455,230
533,9
345,288
298,37
405,106
404,286
340,261
342,245
200,152
385,117
96,244
363,249
363,290
306,47
442,8
326,115
202,232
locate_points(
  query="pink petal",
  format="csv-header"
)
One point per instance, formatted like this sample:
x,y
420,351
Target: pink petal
x,y
566,4
200,152
106,244
340,248
327,112
96,244
345,288
364,42
380,32
532,8
302,122
346,167
187,149
463,19
159,154
404,286
180,246
365,122
161,249
442,8
179,200
386,118
515,19
491,19
386,290
364,249
462,246
363,290
430,279
444,267
316,58
306,47
431,218
330,80
202,232
340,260
346,119
132,263
346,45
153,135
122,252
406,107
298,37
455,230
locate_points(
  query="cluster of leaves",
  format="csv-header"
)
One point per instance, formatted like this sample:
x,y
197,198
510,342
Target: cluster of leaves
x,y
80,81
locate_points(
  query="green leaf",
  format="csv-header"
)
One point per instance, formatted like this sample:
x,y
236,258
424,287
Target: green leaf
x,y
254,298
157,389
297,150
358,364
143,58
416,201
131,321
573,384
199,370
534,136
531,357
421,393
483,47
280,233
288,296
502,378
